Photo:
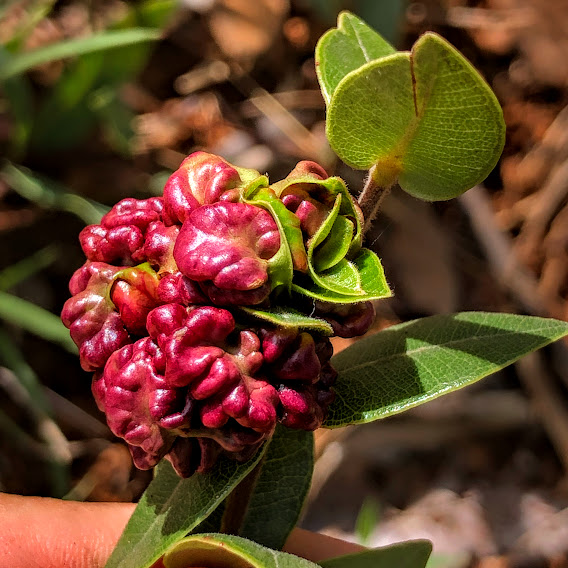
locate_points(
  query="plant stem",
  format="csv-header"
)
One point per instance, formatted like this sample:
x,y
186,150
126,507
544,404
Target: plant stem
x,y
237,502
372,196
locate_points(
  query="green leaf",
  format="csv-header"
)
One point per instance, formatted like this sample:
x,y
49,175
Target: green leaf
x,y
409,554
372,111
281,488
346,48
425,118
367,277
225,551
414,362
48,195
36,320
171,507
288,317
341,276
457,108
74,47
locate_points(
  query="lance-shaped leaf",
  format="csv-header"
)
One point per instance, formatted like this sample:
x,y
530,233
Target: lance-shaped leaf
x,y
409,554
346,48
424,118
284,478
225,551
171,507
281,489
412,363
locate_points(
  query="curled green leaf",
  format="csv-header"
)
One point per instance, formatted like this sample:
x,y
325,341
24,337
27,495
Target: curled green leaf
x,y
226,551
362,280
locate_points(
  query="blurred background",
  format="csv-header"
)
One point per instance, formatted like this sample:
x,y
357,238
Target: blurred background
x,y
102,99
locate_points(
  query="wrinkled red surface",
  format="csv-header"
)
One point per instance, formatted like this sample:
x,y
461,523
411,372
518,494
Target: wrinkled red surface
x,y
176,375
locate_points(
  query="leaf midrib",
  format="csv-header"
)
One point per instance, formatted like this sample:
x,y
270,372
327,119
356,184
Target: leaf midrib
x,y
445,345
359,41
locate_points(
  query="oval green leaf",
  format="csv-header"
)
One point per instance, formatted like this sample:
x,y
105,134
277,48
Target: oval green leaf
x,y
225,551
409,554
344,49
335,186
171,507
426,118
412,363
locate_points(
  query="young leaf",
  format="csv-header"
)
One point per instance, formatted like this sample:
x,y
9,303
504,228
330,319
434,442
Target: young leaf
x,y
372,111
225,551
425,117
171,507
332,185
412,363
346,48
288,317
409,554
281,488
363,280
74,47
291,254
335,246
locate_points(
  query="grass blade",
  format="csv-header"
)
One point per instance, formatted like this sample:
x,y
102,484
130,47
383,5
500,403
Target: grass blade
x,y
50,196
72,48
36,320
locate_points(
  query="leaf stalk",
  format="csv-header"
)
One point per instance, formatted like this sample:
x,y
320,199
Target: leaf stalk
x,y
374,192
